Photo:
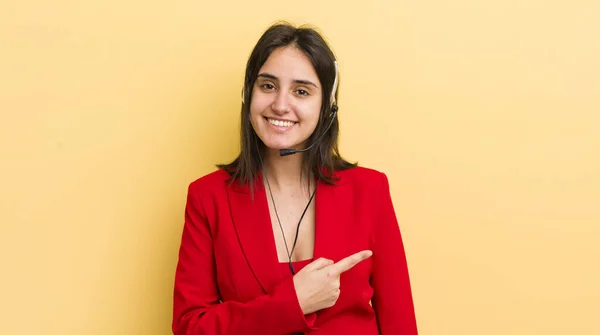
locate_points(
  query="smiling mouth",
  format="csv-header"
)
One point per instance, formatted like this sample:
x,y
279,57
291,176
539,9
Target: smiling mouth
x,y
280,123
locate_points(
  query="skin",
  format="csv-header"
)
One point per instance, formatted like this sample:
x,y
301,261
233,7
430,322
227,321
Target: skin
x,y
284,112
287,89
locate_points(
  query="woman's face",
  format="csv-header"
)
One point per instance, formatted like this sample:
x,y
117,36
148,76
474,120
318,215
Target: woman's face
x,y
286,100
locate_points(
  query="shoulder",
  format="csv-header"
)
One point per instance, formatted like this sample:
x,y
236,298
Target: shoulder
x,y
210,182
360,174
205,193
363,178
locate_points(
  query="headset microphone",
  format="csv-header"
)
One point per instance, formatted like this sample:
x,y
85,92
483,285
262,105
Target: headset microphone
x,y
287,152
334,109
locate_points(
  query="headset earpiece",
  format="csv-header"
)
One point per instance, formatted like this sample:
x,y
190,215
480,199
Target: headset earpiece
x,y
333,105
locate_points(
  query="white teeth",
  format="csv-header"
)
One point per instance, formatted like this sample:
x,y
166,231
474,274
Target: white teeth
x,y
280,123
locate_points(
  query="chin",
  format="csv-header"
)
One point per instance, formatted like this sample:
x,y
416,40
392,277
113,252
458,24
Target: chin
x,y
279,146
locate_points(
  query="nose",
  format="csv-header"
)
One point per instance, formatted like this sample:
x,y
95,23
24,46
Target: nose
x,y
281,104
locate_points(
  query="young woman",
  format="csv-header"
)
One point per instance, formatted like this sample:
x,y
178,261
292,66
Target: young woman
x,y
290,237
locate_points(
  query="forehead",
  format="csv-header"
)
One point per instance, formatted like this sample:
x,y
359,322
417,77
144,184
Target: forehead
x,y
288,64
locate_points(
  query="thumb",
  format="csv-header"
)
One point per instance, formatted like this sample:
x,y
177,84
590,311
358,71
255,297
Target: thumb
x,y
318,264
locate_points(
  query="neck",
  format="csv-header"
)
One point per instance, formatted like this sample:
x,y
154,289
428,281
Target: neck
x,y
284,172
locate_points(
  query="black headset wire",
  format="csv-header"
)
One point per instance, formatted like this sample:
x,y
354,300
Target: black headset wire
x,y
289,253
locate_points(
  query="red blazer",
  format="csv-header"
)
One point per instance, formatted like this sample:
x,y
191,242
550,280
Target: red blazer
x,y
228,278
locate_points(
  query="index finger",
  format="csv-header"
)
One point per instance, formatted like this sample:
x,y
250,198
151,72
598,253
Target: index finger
x,y
350,261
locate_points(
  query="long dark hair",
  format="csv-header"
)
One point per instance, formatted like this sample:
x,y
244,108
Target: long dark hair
x,y
324,158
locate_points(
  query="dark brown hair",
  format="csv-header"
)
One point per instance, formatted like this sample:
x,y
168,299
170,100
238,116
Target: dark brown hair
x,y
324,158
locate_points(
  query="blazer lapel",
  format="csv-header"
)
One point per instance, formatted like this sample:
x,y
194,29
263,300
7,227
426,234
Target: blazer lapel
x,y
332,218
252,223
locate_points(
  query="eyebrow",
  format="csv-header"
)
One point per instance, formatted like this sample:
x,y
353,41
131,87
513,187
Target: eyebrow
x,y
297,81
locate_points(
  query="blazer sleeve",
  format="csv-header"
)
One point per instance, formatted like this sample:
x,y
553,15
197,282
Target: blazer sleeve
x,y
197,309
392,298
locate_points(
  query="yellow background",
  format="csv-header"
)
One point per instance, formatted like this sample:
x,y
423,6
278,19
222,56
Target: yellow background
x,y
484,115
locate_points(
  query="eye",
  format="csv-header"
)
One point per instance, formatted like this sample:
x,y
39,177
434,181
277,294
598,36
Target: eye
x,y
302,92
267,86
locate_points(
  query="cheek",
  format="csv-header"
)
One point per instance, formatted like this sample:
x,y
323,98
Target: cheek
x,y
255,112
311,113
260,102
